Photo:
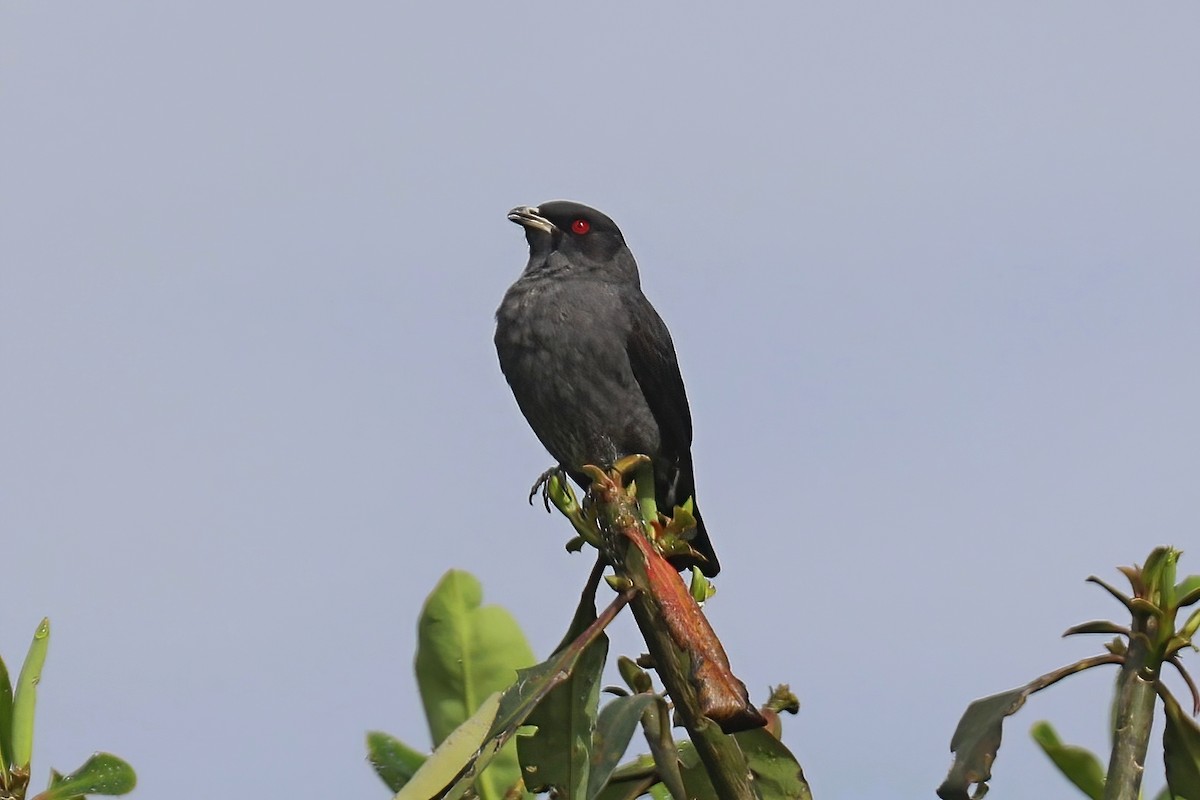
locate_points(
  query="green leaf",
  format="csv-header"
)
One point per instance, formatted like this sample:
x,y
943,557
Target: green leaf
x,y
515,705
1165,584
1158,573
975,742
1181,751
6,726
581,620
56,778
660,792
1078,764
1191,626
447,773
25,697
977,737
777,774
636,678
700,587
1141,606
633,780
393,761
1125,599
656,722
103,773
615,727
1096,626
558,754
1188,591
465,652
695,775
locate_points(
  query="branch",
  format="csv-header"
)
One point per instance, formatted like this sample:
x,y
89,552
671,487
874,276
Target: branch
x,y
687,655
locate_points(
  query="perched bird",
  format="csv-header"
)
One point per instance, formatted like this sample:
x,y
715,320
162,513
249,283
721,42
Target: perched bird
x,y
590,361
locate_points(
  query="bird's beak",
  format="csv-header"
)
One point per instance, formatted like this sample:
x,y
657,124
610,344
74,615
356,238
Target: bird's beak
x,y
530,218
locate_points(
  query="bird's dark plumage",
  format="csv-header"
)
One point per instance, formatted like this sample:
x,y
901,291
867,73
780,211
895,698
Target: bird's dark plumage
x,y
590,361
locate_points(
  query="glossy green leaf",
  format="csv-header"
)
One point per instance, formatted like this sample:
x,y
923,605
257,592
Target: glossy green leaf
x,y
1188,591
6,726
558,754
449,772
1139,605
660,792
518,702
393,761
777,774
1191,626
695,775
25,696
1181,751
636,678
614,728
581,620
466,652
103,773
624,785
1079,765
656,722
1158,570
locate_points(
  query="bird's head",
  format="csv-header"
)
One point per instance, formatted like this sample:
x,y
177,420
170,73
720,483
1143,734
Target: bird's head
x,y
568,236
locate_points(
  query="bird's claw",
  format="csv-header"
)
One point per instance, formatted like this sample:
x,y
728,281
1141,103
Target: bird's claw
x,y
542,484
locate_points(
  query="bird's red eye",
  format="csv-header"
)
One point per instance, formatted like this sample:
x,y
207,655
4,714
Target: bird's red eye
x,y
581,226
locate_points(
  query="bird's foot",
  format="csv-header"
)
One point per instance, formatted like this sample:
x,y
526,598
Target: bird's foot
x,y
542,484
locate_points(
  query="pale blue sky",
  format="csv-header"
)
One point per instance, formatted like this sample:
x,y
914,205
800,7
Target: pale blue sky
x,y
932,271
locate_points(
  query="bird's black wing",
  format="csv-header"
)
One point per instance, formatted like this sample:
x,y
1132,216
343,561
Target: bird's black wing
x,y
656,369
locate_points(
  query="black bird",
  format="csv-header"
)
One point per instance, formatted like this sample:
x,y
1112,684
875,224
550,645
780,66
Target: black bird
x,y
590,361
